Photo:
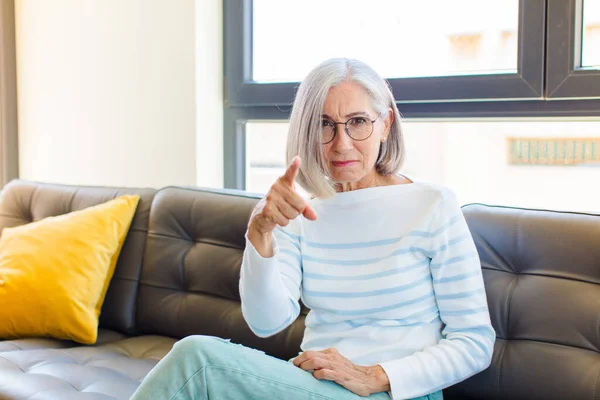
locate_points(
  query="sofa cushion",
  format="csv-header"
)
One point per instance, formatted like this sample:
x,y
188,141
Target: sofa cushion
x,y
54,273
109,371
104,336
23,202
191,270
542,277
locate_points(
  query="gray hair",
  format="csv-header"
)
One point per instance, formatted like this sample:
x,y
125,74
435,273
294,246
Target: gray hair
x,y
304,135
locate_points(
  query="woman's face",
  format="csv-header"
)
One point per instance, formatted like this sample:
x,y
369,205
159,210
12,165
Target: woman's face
x,y
351,163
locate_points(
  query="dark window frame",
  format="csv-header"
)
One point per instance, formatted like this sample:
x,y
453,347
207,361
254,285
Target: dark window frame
x,y
566,79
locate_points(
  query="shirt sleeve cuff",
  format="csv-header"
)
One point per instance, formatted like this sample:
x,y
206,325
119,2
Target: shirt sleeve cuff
x,y
396,371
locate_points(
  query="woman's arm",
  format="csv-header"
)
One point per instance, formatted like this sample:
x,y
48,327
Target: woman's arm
x,y
468,336
270,286
271,268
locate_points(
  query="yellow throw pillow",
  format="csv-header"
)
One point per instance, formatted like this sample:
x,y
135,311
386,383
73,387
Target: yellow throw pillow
x,y
54,273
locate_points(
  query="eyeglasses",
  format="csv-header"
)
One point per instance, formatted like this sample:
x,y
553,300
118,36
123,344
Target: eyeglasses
x,y
358,128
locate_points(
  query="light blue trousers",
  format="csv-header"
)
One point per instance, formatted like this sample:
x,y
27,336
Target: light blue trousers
x,y
206,367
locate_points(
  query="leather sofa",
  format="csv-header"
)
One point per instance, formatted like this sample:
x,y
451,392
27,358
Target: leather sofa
x,y
178,275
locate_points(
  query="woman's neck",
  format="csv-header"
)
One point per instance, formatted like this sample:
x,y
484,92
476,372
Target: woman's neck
x,y
372,181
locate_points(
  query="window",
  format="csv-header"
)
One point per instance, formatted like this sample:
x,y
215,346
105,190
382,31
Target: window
x,y
265,154
356,29
518,170
498,77
485,50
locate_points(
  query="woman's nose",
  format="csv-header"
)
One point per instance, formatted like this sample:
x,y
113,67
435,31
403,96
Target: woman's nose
x,y
342,141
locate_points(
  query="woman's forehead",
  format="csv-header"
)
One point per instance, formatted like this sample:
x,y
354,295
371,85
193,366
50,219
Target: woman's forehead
x,y
346,96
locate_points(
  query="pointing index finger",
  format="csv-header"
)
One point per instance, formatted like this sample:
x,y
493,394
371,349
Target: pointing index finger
x,y
292,171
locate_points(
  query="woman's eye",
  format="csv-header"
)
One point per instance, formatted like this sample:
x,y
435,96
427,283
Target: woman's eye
x,y
327,124
358,121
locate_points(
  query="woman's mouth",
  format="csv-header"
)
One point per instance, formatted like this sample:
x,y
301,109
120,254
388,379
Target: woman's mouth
x,y
341,164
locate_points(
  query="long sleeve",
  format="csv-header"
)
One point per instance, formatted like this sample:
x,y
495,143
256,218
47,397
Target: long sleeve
x,y
270,287
468,337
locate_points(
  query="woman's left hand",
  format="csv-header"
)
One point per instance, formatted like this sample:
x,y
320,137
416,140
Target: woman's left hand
x,y
332,366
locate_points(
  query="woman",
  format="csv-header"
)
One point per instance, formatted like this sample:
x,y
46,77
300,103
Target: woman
x,y
386,265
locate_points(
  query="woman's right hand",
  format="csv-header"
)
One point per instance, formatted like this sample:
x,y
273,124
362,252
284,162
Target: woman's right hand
x,y
280,205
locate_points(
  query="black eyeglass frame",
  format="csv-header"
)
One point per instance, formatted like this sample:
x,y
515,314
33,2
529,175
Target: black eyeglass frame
x,y
346,128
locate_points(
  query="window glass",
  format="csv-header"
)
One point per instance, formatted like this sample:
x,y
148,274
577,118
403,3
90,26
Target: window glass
x,y
550,164
398,38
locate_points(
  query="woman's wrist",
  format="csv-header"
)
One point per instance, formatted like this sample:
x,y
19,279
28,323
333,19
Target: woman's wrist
x,y
378,380
262,242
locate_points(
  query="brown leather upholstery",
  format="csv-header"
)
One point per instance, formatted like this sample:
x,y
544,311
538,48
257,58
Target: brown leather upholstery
x,y
191,270
542,275
541,269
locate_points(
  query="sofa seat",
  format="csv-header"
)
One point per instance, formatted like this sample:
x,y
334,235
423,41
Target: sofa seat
x,y
112,370
104,336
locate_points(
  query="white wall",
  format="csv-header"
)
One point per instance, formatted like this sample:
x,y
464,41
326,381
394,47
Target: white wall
x,y
108,95
209,93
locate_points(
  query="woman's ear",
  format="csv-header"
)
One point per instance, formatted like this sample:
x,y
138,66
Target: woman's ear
x,y
388,121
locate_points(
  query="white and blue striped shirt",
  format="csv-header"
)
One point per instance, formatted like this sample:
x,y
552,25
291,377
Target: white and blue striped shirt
x,y
392,277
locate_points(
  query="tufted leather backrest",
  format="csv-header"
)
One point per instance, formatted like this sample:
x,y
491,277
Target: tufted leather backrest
x,y
23,202
542,276
191,270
